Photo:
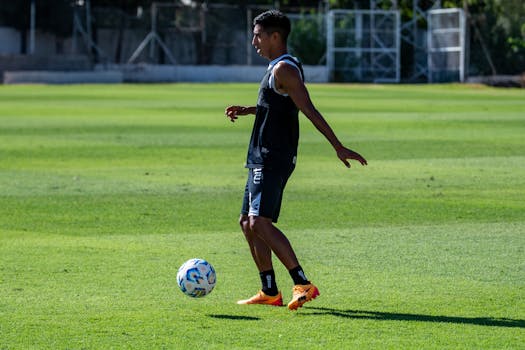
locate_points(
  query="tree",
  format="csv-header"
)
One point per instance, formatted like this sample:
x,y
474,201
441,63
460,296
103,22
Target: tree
x,y
499,25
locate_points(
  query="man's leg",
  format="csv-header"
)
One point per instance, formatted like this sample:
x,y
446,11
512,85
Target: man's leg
x,y
262,255
261,252
263,194
303,290
274,239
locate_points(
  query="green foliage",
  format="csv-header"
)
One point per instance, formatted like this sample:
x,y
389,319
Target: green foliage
x,y
517,45
105,190
500,27
308,39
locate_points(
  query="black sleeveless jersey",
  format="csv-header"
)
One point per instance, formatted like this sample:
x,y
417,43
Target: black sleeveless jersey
x,y
275,134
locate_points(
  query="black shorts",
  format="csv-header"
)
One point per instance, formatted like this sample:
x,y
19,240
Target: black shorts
x,y
264,192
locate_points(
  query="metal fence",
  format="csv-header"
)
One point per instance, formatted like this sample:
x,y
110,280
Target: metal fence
x,y
216,34
355,45
364,45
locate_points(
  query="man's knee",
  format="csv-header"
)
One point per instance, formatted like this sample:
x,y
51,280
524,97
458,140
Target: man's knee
x,y
257,223
244,222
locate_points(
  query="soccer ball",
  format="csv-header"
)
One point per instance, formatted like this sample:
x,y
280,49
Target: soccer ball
x,y
196,278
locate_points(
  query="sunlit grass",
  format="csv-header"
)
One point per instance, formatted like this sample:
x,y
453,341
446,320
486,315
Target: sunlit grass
x,y
106,189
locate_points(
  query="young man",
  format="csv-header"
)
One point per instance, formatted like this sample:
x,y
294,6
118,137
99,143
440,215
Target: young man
x,y
272,156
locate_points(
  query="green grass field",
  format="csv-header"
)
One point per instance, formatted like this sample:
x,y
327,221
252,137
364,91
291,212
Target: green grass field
x,y
106,190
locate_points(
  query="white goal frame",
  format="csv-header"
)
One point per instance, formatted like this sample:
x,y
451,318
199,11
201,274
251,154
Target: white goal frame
x,y
446,45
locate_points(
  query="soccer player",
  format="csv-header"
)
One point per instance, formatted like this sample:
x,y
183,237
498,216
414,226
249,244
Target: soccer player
x,y
272,154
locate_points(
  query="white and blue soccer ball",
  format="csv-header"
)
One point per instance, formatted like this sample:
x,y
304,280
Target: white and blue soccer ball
x,y
196,278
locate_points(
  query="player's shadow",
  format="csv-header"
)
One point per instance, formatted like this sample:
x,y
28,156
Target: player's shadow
x,y
235,317
389,316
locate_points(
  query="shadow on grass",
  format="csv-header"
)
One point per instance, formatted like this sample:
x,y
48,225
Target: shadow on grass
x,y
235,317
388,316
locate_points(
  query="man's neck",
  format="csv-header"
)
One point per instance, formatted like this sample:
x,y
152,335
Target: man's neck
x,y
278,53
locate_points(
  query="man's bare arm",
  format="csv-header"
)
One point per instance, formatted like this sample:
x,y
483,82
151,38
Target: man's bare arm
x,y
289,81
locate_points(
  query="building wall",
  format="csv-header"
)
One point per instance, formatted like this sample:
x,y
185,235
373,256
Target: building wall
x,y
10,40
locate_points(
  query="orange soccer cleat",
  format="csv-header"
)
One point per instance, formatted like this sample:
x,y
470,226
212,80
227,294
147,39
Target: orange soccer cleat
x,y
263,299
302,294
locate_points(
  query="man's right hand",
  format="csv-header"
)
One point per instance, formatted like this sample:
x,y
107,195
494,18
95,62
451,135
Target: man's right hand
x,y
233,112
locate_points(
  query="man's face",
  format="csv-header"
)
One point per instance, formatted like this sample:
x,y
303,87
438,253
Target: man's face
x,y
261,41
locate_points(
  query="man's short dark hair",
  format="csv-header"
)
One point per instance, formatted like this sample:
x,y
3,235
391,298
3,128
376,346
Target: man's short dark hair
x,y
274,21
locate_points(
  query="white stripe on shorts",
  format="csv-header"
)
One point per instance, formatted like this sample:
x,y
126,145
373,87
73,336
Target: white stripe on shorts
x,y
255,204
